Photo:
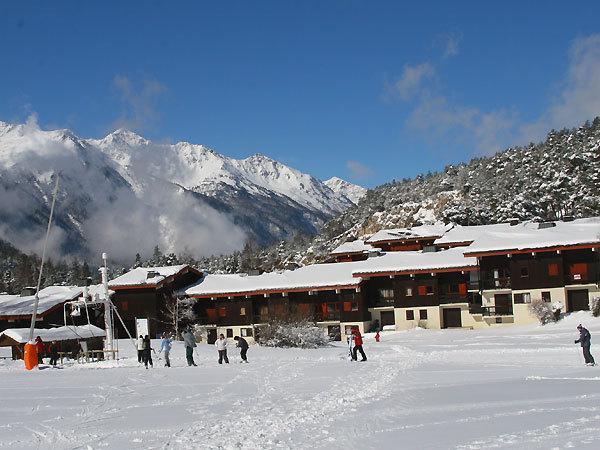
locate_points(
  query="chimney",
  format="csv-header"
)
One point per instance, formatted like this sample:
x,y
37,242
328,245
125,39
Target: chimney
x,y
27,291
152,274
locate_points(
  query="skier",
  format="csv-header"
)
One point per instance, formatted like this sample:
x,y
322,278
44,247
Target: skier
x,y
358,345
190,342
39,346
53,351
140,348
377,337
165,345
147,352
585,339
221,345
243,345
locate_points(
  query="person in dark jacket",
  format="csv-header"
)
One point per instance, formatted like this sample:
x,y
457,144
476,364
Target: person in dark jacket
x,y
243,345
585,339
358,342
190,342
147,352
53,351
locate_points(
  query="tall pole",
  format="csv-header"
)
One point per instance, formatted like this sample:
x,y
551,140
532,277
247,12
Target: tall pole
x,y
39,282
108,322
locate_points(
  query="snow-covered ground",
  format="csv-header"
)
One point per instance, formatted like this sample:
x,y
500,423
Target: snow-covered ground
x,y
520,387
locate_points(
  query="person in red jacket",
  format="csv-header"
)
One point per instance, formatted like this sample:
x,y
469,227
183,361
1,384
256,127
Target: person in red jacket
x,y
377,337
39,346
358,342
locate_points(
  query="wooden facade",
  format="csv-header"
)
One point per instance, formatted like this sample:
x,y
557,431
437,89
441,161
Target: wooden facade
x,y
149,302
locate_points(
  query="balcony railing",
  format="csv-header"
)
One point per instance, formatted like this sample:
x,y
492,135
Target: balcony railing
x,y
453,298
497,310
496,283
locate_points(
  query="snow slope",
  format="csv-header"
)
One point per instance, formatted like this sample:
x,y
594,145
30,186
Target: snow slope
x,y
343,187
518,387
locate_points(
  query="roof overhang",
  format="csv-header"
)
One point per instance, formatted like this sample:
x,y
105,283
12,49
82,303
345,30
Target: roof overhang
x,y
415,272
158,285
272,291
518,251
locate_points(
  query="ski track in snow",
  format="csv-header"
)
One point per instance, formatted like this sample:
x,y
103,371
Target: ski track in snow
x,y
511,388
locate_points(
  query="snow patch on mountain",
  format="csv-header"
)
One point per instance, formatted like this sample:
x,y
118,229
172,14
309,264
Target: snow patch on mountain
x,y
353,192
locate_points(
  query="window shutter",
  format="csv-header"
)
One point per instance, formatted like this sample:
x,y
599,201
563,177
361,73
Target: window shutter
x,y
347,306
211,313
462,288
222,312
579,271
422,290
552,269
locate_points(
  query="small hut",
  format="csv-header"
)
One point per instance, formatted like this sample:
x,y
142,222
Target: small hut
x,y
67,337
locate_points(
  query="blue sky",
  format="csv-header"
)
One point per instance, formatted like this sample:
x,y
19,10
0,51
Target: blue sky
x,y
369,91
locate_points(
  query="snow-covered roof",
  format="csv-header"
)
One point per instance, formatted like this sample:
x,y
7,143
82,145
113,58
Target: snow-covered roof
x,y
15,305
317,276
21,335
396,234
408,262
139,276
460,233
357,246
529,235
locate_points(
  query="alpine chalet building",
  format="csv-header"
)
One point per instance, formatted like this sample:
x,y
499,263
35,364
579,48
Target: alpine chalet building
x,y
431,276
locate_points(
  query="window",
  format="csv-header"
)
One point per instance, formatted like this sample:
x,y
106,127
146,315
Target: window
x,y
429,290
422,290
125,306
408,292
332,307
386,293
229,332
242,311
264,310
524,272
423,314
525,297
410,314
552,269
222,312
246,332
578,271
354,306
546,296
453,288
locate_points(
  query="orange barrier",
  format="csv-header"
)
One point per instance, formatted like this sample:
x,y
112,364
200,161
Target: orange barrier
x,y
31,356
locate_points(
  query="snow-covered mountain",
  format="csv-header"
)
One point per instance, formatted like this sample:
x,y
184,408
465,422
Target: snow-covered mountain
x,y
126,194
351,191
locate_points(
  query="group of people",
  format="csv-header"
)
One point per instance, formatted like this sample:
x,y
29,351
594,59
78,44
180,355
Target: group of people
x,y
145,356
50,350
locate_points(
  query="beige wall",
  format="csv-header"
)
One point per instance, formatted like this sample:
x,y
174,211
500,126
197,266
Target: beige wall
x,y
433,320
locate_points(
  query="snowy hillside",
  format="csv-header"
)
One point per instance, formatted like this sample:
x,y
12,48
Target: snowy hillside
x,y
342,187
515,387
126,194
557,177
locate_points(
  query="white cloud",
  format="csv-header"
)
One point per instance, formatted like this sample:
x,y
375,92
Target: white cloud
x,y
358,170
138,110
441,120
410,83
449,43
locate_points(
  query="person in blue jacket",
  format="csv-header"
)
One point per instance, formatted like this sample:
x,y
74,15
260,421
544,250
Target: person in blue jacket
x,y
585,339
166,345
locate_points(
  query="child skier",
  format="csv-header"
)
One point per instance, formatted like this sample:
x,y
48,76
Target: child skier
x,y
147,352
243,345
165,345
358,342
221,345
190,342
